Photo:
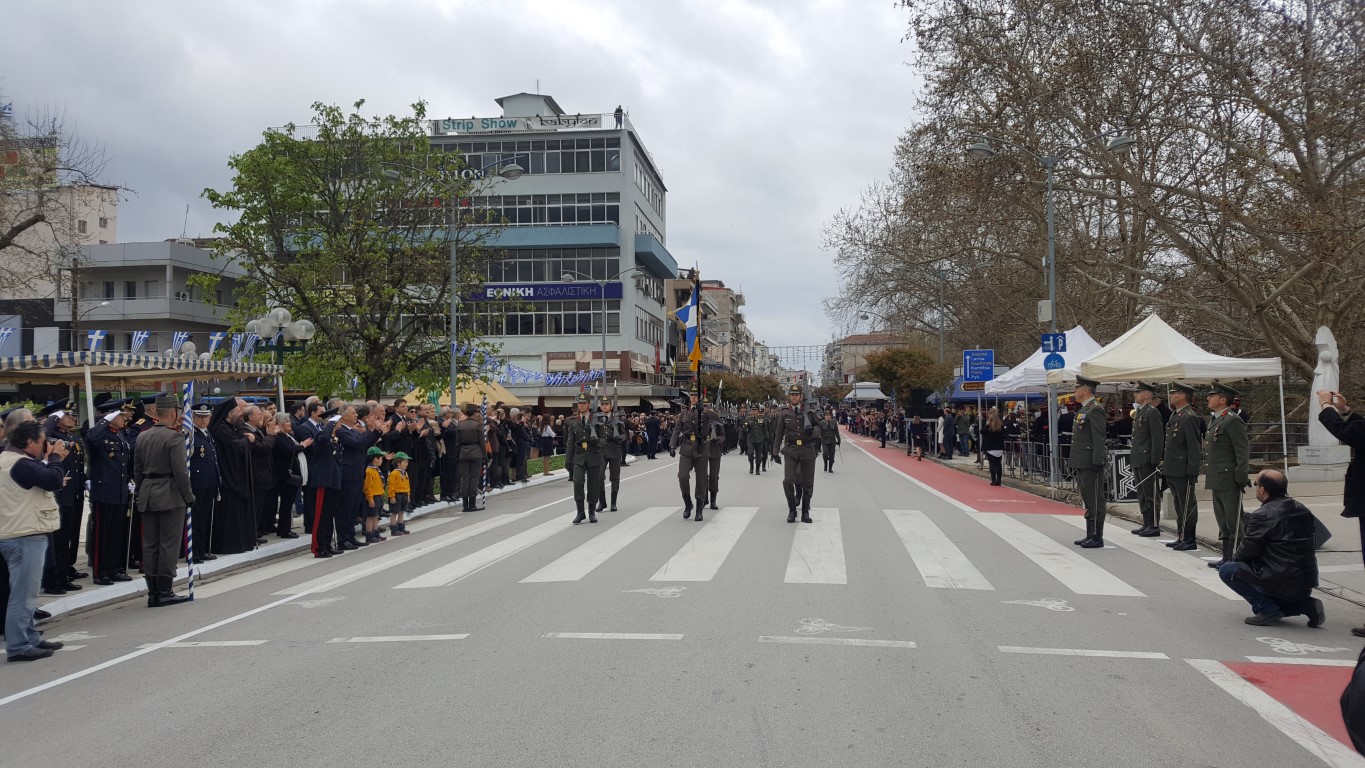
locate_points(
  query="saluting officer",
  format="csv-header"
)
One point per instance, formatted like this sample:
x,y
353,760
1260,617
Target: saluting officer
x,y
613,455
583,456
59,569
689,442
1088,460
797,439
469,437
1180,464
1148,445
109,495
717,437
756,435
829,438
1227,450
203,481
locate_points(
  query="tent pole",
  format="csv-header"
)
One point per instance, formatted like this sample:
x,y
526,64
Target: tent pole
x,y
1284,432
89,398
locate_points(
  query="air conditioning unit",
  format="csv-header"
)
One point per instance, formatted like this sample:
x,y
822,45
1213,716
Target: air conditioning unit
x,y
183,296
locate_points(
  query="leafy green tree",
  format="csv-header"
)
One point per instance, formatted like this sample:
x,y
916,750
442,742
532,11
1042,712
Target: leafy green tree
x,y
907,369
348,222
738,389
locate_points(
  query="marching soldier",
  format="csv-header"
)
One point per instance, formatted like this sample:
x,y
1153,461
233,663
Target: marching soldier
x,y
109,495
163,493
743,439
1088,459
1148,445
797,438
1227,450
1180,464
716,446
469,438
757,440
613,455
829,438
204,482
583,455
689,439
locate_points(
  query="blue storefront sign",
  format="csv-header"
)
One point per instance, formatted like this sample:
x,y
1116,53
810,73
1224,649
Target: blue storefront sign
x,y
545,292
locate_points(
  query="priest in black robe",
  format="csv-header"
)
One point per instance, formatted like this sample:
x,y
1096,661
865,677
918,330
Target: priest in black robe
x,y
234,519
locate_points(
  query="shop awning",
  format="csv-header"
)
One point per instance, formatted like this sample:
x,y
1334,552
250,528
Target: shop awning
x,y
659,403
70,368
557,401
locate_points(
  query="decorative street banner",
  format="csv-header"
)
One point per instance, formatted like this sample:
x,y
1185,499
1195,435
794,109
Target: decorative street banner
x,y
505,373
545,292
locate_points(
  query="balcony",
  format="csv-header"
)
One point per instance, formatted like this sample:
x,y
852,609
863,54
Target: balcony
x,y
151,311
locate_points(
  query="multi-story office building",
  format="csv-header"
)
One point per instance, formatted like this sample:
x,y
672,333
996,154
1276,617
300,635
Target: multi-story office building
x,y
590,206
733,349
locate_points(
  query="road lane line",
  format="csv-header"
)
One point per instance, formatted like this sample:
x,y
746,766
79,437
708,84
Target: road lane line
x,y
1180,564
596,551
492,554
1348,568
610,636
941,564
701,557
817,555
1303,662
1074,571
1083,652
1309,736
205,644
837,641
397,638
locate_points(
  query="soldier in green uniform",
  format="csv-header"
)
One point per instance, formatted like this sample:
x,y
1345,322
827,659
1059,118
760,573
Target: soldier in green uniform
x,y
716,442
1147,447
613,455
689,440
583,441
1088,460
797,439
756,439
1180,464
1227,453
829,438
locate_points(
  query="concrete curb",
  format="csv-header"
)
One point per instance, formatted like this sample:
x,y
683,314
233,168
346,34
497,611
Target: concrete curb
x,y
89,599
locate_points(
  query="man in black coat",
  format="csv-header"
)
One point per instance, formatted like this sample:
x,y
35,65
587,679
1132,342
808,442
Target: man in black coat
x,y
652,433
1349,428
204,483
1276,567
59,569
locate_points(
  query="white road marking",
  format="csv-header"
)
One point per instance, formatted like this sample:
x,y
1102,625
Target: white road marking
x,y
1176,562
205,644
253,576
836,641
1083,652
1309,736
1303,662
817,555
1050,603
1074,571
1341,568
597,550
701,557
941,564
663,592
73,647
611,636
492,554
397,638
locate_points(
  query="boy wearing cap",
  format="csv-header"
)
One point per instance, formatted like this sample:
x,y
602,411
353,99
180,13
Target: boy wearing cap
x,y
400,490
1089,458
374,495
1228,452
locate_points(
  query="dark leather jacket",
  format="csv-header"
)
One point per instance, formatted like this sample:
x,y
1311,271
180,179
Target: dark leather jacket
x,y
1278,546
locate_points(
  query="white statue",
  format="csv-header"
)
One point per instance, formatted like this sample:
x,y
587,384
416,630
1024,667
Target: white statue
x,y
1327,376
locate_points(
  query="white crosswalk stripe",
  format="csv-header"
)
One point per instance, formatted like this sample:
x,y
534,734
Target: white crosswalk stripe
x,y
494,553
583,560
702,556
1192,568
941,564
817,555
1067,566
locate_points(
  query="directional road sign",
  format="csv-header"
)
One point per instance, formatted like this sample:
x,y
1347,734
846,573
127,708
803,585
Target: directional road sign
x,y
978,364
973,386
1053,362
1054,342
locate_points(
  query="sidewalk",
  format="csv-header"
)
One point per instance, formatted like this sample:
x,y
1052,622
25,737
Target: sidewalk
x,y
93,597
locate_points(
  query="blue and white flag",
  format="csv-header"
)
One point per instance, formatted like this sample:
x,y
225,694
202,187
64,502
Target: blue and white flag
x,y
139,341
250,344
5,333
96,339
215,339
236,353
187,419
179,338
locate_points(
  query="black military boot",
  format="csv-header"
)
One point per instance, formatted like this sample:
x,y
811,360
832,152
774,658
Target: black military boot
x,y
153,594
592,515
1227,554
1089,534
805,506
581,517
474,504
791,503
613,498
701,504
713,500
687,507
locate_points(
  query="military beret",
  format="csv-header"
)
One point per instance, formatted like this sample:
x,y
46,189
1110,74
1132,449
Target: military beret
x,y
1143,386
1217,388
1081,381
1186,388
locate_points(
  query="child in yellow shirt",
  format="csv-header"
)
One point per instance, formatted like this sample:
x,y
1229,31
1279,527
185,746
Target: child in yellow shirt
x,y
374,496
399,493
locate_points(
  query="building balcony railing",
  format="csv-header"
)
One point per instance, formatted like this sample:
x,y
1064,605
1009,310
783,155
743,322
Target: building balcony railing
x,y
93,311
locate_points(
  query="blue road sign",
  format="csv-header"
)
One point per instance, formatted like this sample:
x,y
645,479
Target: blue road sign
x,y
1053,362
978,364
1054,342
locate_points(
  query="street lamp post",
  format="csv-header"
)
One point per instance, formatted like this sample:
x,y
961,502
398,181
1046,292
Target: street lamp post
x,y
510,172
277,322
981,150
569,277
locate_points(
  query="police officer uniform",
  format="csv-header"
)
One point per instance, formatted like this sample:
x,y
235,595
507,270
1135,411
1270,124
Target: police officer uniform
x,y
59,570
1227,451
204,483
613,456
1089,458
1180,467
469,438
829,438
1145,452
584,441
797,439
756,435
109,496
689,444
717,438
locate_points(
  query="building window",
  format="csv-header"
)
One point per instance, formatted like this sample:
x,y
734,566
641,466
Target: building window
x,y
218,297
550,156
648,185
540,210
547,265
151,291
80,226
104,222
130,289
551,318
108,289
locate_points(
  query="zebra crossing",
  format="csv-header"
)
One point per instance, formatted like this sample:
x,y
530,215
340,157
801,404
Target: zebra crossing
x,y
816,553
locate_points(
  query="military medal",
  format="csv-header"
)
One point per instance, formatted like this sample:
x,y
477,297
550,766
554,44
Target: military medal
x,y
585,444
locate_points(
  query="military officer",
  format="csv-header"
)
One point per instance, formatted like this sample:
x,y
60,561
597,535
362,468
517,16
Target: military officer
x,y
1089,458
757,440
829,438
742,424
1147,447
162,477
203,481
613,454
583,442
473,451
109,495
717,443
1227,452
689,440
59,570
797,439
1180,464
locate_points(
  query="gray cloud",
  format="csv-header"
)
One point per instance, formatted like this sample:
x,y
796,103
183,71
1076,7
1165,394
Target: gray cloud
x,y
765,117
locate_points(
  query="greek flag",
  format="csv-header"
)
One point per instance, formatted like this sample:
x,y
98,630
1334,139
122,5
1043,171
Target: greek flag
x,y
5,333
178,338
139,341
251,340
236,347
187,419
96,338
214,340
690,316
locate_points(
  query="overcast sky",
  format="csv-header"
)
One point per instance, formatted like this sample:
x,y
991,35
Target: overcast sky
x,y
765,117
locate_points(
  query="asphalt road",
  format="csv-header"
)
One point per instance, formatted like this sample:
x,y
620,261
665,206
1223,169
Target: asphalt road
x,y
906,627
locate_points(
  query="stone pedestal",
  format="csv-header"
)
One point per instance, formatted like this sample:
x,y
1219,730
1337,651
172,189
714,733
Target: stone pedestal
x,y
1321,463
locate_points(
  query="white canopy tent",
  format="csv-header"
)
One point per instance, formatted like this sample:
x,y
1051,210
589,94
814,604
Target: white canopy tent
x,y
1030,376
866,392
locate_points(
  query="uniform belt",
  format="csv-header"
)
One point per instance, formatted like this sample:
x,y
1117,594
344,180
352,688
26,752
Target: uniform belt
x,y
157,477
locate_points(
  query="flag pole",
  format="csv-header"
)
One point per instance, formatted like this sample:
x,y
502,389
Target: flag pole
x,y
696,288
